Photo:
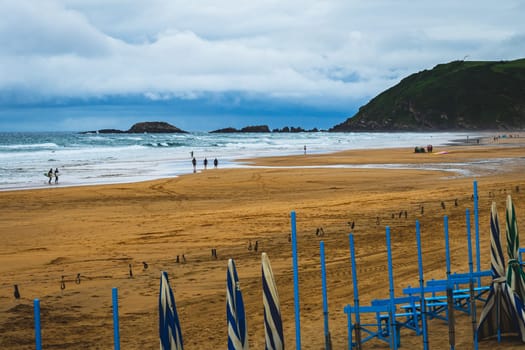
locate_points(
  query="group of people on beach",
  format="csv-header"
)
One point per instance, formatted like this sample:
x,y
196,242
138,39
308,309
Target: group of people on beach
x,y
418,149
51,174
205,162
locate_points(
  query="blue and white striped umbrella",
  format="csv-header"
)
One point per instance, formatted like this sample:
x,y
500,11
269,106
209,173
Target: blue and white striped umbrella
x,y
497,260
503,311
515,274
237,329
273,326
169,326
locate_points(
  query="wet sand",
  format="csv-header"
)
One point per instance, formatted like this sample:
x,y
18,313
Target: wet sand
x,y
98,231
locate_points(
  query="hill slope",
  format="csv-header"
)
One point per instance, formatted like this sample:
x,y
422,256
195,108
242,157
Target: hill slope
x,y
458,95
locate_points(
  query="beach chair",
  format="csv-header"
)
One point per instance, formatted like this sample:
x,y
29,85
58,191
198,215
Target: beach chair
x,y
410,314
435,293
375,327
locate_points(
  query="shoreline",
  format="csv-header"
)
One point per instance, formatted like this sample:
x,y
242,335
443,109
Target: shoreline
x,y
241,162
83,164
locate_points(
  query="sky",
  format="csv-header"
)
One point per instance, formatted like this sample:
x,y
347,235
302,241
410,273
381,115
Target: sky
x,y
76,65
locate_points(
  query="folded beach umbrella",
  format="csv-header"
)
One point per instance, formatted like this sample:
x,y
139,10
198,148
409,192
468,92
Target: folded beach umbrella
x,y
503,311
273,326
237,330
515,274
169,326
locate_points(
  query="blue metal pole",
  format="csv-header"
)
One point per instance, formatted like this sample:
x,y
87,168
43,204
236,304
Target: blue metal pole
x,y
393,335
38,332
447,247
450,296
471,281
356,293
422,286
296,284
476,226
116,334
349,326
325,299
469,242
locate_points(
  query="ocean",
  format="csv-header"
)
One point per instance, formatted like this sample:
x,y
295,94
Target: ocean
x,y
87,159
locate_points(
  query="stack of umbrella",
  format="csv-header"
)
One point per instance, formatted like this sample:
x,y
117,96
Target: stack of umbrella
x,y
504,312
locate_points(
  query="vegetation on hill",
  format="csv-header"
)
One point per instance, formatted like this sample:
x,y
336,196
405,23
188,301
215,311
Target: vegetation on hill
x,y
460,95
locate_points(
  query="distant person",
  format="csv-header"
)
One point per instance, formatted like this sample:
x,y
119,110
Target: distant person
x,y
56,175
205,163
50,175
194,162
215,163
191,154
304,149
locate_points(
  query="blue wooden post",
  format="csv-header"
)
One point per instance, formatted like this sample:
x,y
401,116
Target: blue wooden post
x,y
447,247
422,286
116,334
349,326
471,281
469,242
450,296
38,331
356,294
476,227
393,323
327,341
296,284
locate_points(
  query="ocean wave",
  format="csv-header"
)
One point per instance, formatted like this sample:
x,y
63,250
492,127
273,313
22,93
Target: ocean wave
x,y
164,144
25,147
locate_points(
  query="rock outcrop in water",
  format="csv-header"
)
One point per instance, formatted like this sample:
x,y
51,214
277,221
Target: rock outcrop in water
x,y
154,128
141,128
263,128
293,129
225,131
255,128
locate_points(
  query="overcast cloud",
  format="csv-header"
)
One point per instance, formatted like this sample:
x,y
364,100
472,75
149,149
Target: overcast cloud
x,y
322,54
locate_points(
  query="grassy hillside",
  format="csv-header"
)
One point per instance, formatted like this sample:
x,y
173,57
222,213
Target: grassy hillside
x,y
458,95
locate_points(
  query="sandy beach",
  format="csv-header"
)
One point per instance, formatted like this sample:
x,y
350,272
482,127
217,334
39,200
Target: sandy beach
x,y
98,231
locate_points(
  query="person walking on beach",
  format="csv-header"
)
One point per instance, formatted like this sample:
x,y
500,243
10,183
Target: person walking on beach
x,y
205,163
304,149
56,175
215,163
194,162
50,175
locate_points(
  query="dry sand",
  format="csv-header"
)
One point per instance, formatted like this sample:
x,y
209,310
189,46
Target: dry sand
x,y
98,231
